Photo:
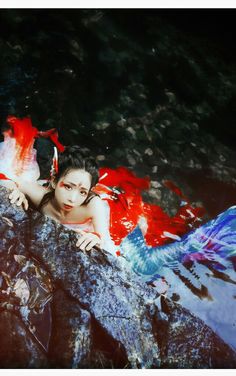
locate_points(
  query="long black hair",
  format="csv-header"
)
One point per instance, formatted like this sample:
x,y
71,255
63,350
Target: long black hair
x,y
73,158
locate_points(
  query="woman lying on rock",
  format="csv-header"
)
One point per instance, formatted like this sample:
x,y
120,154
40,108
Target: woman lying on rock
x,y
69,199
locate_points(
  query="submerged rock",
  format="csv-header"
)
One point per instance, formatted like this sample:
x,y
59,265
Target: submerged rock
x,y
103,315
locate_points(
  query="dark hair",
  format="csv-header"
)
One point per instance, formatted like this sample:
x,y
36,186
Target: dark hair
x,y
74,157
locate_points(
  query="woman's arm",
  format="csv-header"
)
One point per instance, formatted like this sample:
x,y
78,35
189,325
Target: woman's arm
x,y
96,211
31,190
99,217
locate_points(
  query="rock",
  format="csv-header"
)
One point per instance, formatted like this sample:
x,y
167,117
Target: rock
x,y
121,122
155,184
72,326
155,194
185,350
131,160
102,126
17,347
114,297
103,315
147,132
171,96
148,151
132,132
100,158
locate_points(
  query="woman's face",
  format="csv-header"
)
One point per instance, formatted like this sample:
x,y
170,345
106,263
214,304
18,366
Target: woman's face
x,y
72,189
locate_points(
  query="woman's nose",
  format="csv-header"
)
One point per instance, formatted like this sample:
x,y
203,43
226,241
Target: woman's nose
x,y
73,197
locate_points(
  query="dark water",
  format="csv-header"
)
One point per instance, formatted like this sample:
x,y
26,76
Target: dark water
x,y
215,195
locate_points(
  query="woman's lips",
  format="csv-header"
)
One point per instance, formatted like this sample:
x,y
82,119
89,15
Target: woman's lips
x,y
68,207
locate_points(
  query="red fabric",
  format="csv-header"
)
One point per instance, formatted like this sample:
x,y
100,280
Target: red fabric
x,y
127,207
3,177
169,184
123,178
53,135
24,134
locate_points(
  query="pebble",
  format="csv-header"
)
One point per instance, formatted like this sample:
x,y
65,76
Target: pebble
x,y
167,122
222,158
121,122
171,97
155,184
131,131
155,193
100,157
102,126
131,160
196,126
148,151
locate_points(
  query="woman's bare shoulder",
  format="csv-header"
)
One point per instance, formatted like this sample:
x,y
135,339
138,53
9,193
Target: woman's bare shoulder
x,y
33,190
95,204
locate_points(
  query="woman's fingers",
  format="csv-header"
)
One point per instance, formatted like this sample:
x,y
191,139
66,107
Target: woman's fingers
x,y
91,245
23,201
19,198
25,204
14,195
81,243
87,242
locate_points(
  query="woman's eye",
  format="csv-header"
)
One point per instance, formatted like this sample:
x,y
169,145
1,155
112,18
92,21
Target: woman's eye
x,y
68,187
83,193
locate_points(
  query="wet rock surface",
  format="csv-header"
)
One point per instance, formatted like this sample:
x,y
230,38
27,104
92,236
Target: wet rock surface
x,y
102,315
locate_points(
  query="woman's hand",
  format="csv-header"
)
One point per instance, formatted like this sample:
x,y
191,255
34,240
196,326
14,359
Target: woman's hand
x,y
19,198
87,240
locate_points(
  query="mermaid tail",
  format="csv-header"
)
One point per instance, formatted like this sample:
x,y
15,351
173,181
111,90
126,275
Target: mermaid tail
x,y
214,241
218,235
146,260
